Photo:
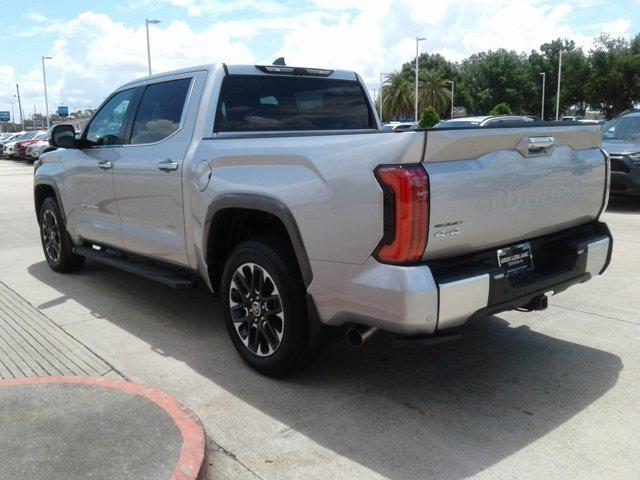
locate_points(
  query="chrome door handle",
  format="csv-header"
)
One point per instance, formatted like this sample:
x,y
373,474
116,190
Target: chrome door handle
x,y
105,165
539,143
168,165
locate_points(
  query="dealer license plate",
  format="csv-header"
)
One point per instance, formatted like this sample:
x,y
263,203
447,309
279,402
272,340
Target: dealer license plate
x,y
517,258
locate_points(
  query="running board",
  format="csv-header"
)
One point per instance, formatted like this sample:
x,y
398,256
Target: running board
x,y
152,272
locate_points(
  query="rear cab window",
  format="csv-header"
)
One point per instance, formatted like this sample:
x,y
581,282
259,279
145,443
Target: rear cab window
x,y
263,103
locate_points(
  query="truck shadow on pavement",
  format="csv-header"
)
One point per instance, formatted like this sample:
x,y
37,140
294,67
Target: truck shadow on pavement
x,y
623,205
444,412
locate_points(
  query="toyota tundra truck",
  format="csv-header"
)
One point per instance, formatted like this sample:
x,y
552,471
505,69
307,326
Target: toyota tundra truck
x,y
276,187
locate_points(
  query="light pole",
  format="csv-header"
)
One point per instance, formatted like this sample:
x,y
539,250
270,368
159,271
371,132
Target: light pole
x,y
544,82
13,114
380,92
20,106
146,24
558,94
418,40
46,99
452,92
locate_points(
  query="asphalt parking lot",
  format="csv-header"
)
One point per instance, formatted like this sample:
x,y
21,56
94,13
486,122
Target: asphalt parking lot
x,y
553,394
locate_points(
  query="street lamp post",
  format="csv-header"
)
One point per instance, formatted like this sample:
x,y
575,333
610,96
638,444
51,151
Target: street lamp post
x,y
146,24
13,114
418,40
46,99
558,94
544,82
20,106
452,93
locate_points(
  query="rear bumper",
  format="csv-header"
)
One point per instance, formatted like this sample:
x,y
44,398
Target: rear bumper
x,y
445,294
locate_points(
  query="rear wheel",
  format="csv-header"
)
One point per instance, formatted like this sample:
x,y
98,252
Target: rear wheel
x,y
56,243
265,307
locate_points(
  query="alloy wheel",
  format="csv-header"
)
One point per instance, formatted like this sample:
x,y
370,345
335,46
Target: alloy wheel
x,y
256,309
51,236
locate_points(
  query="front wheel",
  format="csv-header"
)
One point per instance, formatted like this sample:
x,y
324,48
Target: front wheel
x,y
56,244
265,307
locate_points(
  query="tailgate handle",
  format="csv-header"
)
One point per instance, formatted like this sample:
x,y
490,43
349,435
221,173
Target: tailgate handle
x,y
536,144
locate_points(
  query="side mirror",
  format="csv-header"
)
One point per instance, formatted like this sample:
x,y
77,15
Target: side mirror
x,y
62,136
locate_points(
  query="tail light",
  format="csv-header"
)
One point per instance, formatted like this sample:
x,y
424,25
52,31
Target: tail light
x,y
406,213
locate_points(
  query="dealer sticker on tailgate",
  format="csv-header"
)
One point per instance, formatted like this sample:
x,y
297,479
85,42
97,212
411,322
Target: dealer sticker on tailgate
x,y
517,258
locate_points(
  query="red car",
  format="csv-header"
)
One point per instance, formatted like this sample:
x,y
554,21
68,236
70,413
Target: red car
x,y
21,147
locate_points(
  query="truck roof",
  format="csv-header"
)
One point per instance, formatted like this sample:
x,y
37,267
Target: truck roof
x,y
247,70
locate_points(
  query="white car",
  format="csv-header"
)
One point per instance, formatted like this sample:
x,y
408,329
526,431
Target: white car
x,y
36,149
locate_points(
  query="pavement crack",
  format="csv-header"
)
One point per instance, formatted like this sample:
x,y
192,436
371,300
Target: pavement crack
x,y
597,314
214,446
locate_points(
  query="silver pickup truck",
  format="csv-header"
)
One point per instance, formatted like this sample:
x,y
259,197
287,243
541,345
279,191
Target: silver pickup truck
x,y
276,186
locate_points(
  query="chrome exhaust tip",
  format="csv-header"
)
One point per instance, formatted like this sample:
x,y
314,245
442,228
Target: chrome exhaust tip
x,y
360,334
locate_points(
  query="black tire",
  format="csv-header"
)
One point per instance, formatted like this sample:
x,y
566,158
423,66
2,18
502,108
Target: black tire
x,y
56,244
261,330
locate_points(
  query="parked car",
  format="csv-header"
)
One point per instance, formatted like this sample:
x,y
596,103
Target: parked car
x,y
484,121
21,145
275,186
10,149
10,138
37,148
621,140
572,118
398,126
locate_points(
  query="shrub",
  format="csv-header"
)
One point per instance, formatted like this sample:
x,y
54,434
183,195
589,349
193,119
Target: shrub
x,y
501,109
429,118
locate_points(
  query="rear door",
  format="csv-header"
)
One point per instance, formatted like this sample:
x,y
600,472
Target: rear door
x,y
148,174
89,195
490,187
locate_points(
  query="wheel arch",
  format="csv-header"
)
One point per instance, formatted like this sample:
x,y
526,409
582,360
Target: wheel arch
x,y
44,187
224,209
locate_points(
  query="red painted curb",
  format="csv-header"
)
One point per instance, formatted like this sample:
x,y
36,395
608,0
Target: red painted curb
x,y
191,463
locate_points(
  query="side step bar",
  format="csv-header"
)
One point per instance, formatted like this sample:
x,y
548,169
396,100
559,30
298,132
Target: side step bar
x,y
152,272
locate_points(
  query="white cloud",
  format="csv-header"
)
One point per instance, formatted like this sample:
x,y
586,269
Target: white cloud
x,y
93,53
617,28
36,17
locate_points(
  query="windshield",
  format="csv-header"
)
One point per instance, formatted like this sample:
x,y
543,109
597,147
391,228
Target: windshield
x,y
623,128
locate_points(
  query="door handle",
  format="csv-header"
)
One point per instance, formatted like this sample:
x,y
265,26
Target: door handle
x,y
105,165
539,143
168,165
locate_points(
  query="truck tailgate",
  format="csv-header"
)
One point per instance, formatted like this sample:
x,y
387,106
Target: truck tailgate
x,y
491,187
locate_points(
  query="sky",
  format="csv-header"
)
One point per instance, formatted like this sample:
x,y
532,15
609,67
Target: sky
x,y
100,44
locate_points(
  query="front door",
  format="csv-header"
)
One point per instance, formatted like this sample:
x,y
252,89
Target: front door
x,y
90,202
148,174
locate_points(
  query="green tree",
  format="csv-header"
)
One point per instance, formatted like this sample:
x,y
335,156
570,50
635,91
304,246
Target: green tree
x,y
429,118
488,78
433,91
614,82
397,96
501,108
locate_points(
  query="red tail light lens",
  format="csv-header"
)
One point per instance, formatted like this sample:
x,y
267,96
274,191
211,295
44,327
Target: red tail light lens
x,y
406,213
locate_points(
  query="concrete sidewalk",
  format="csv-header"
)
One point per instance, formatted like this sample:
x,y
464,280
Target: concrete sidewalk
x,y
31,345
66,414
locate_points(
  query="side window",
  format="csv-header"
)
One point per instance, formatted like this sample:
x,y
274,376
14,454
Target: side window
x,y
160,111
106,128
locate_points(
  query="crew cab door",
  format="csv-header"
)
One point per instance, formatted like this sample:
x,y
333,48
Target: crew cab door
x,y
90,201
148,174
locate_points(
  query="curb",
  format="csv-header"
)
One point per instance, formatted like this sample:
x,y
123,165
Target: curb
x,y
191,463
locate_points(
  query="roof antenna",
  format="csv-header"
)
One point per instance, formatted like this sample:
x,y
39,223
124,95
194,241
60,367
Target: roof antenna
x,y
279,61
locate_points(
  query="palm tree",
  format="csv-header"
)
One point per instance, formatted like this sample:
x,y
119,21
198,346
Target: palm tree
x,y
397,96
434,91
